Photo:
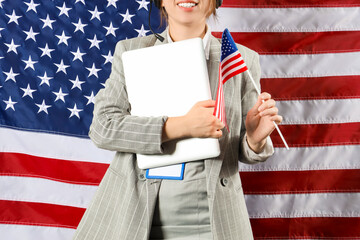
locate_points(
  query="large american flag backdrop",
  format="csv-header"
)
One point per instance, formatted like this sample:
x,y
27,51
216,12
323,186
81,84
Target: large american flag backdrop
x,y
56,55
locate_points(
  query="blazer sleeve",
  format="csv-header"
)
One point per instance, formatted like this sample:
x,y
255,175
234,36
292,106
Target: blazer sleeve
x,y
113,128
249,98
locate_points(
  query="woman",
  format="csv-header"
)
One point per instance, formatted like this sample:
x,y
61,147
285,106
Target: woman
x,y
209,202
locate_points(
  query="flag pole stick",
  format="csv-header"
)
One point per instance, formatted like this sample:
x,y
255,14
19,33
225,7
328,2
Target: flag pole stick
x,y
276,126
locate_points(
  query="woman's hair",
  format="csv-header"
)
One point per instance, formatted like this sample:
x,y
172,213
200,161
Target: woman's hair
x,y
164,16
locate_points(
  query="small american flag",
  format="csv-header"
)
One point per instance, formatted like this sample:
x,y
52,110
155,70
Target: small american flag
x,y
231,64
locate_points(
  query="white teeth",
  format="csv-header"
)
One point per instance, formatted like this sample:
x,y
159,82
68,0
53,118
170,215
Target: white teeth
x,y
187,5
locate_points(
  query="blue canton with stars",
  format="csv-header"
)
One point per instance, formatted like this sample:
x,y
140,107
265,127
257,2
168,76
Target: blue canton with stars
x,y
56,55
228,45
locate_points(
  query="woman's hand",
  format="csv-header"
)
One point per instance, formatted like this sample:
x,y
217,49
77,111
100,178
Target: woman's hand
x,y
198,122
259,122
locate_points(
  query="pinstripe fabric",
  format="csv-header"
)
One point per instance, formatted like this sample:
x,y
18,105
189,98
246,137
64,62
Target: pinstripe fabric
x,y
124,203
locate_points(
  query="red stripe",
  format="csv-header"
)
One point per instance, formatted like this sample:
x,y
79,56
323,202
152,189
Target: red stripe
x,y
287,182
231,67
336,87
289,3
40,214
310,135
298,42
306,228
17,164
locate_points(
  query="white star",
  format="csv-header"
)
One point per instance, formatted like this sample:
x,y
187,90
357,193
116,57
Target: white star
x,y
1,29
47,22
11,75
61,67
1,3
79,26
127,16
10,104
108,58
45,79
76,83
31,6
60,95
29,63
64,10
91,98
43,107
143,4
28,91
142,32
111,30
13,18
112,2
63,38
12,46
95,14
31,34
94,42
93,70
46,51
78,55
82,1
74,111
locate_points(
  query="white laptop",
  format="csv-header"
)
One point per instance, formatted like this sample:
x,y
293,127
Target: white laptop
x,y
167,80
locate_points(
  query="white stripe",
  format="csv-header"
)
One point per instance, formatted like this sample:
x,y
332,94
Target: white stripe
x,y
286,19
22,232
313,158
319,111
310,65
304,205
45,191
52,146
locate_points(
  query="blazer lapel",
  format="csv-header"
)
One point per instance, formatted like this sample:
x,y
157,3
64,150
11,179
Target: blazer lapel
x,y
215,49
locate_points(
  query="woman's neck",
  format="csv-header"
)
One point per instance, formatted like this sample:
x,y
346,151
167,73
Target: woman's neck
x,y
181,32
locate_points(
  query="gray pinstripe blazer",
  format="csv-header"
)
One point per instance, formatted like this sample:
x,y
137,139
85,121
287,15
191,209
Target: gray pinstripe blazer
x,y
124,203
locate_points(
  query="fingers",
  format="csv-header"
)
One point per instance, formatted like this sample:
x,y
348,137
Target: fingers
x,y
219,124
277,119
264,96
201,122
207,103
267,104
269,111
217,133
268,108
272,112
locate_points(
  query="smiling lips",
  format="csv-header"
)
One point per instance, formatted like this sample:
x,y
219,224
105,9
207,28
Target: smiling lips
x,y
187,4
